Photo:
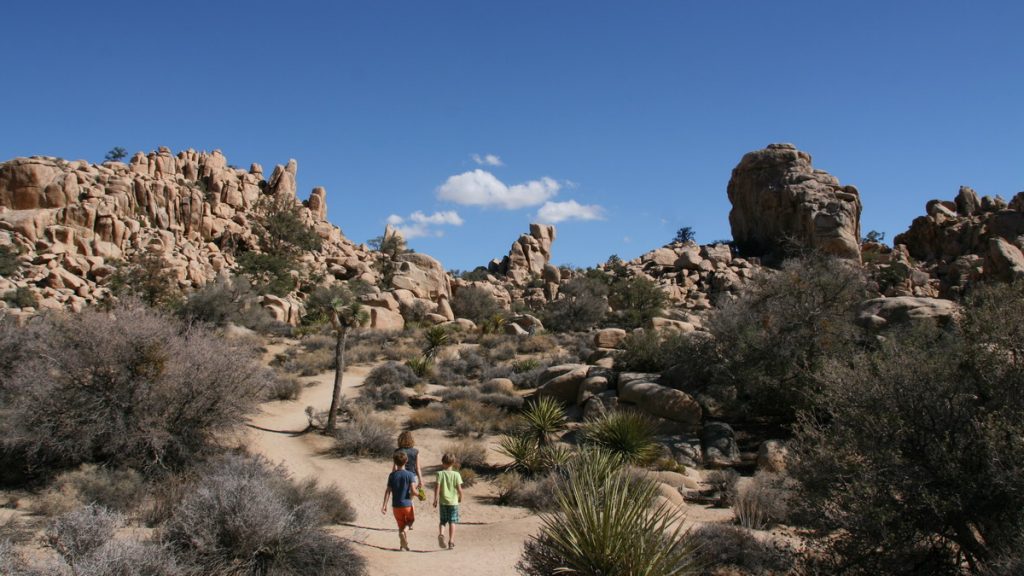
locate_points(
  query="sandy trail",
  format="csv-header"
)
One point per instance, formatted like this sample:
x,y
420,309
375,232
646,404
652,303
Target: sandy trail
x,y
489,540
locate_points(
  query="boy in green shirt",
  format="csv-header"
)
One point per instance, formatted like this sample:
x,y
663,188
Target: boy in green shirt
x,y
449,492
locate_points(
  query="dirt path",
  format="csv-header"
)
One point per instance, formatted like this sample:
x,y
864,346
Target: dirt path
x,y
490,539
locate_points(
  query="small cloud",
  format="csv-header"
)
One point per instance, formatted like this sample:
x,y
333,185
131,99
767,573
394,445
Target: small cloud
x,y
555,212
487,160
627,239
418,224
481,188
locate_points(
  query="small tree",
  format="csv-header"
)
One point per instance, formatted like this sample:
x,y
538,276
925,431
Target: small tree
x,y
635,300
116,154
147,277
684,235
283,238
583,305
336,307
389,248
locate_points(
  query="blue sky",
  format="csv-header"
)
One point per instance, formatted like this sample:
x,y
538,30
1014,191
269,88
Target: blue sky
x,y
622,120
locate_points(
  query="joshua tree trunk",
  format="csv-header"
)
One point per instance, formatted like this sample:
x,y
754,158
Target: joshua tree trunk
x,y
339,372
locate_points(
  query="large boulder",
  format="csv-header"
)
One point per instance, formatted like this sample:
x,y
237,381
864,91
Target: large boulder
x,y
422,275
881,312
1004,260
777,196
661,401
528,257
562,382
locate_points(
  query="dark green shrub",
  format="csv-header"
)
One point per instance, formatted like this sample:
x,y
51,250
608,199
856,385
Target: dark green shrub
x,y
476,304
651,351
582,305
628,434
147,277
9,262
635,301
21,297
384,386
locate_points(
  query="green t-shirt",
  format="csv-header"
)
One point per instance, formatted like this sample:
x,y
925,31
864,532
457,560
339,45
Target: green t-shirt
x,y
448,481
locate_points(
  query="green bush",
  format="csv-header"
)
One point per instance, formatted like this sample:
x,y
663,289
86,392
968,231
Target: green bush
x,y
365,435
582,305
626,433
476,304
9,262
635,301
21,297
915,448
651,351
384,387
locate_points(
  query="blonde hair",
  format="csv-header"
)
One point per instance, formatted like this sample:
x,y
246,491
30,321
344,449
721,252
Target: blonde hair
x,y
405,440
400,458
448,459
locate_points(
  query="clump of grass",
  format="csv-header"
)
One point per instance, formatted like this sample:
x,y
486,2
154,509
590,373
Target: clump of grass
x,y
723,546
629,434
468,453
116,489
283,387
536,494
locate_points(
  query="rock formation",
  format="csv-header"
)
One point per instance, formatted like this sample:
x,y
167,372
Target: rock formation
x,y
528,257
778,197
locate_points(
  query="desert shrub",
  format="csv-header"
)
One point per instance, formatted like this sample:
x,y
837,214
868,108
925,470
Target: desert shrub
x,y
433,416
308,363
243,513
771,344
763,501
365,435
331,501
525,377
582,305
651,351
421,366
534,493
723,546
131,387
120,557
498,400
725,484
496,387
607,522
21,297
283,387
13,562
915,447
469,476
435,338
504,351
543,419
635,301
118,490
460,370
384,387
77,534
529,457
230,300
9,262
474,417
468,453
476,304
146,276
536,343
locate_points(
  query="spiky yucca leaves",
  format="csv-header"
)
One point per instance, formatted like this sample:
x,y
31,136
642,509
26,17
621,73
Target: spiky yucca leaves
x,y
627,433
436,338
532,459
607,523
544,419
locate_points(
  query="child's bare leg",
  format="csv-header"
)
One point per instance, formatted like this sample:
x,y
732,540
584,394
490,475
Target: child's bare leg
x,y
451,532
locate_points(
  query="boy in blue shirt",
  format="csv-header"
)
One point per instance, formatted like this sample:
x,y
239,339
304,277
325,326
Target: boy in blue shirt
x,y
400,485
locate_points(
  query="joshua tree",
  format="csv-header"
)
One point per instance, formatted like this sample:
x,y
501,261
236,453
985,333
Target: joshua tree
x,y
337,308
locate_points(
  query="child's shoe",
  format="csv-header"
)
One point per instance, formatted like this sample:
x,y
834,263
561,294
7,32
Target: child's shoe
x,y
440,541
451,545
403,540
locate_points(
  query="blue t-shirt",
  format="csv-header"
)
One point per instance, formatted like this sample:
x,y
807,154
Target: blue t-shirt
x,y
400,482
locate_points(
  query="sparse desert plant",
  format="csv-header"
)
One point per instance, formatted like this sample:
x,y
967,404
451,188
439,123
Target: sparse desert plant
x,y
474,417
468,453
723,547
9,262
536,343
21,297
651,351
583,304
635,301
724,483
763,500
77,534
127,387
421,366
118,490
607,522
469,476
365,435
433,416
241,513
309,363
283,387
537,494
120,557
502,352
391,373
331,501
523,450
628,433
475,303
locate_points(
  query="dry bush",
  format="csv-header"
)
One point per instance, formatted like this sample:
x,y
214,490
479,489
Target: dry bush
x,y
245,513
309,363
365,435
131,558
506,401
315,342
332,502
468,453
537,494
384,386
725,548
536,343
283,387
76,534
763,501
469,366
504,351
492,387
128,387
725,485
474,417
475,303
400,352
114,489
433,416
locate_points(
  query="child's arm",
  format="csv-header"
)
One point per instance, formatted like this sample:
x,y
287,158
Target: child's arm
x,y
384,506
458,487
437,490
419,475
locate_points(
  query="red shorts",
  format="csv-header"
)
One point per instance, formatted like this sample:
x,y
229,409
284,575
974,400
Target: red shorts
x,y
404,516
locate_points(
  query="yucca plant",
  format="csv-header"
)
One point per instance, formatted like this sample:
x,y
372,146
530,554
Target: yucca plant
x,y
544,419
607,523
436,338
524,452
421,366
627,433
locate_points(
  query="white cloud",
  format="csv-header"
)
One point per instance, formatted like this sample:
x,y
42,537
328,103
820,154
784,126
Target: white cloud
x,y
418,224
487,160
481,188
555,212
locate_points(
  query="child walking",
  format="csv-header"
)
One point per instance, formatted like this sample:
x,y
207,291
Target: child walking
x,y
449,492
400,483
